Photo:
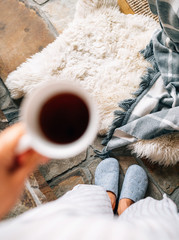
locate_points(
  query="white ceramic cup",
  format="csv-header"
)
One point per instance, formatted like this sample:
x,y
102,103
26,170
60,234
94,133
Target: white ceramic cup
x,y
34,137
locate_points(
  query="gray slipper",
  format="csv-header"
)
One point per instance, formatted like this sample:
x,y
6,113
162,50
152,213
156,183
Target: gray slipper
x,y
107,175
135,183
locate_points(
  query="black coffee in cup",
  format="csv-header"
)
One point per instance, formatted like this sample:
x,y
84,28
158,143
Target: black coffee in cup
x,y
64,118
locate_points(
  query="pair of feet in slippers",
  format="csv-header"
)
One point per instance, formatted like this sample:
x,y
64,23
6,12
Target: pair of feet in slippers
x,y
134,186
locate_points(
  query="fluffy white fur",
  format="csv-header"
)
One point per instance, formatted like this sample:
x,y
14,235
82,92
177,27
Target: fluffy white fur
x,y
99,49
163,150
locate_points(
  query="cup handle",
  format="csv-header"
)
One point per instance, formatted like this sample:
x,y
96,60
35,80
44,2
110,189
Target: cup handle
x,y
23,145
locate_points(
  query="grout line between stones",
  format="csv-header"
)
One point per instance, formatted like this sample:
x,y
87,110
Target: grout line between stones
x,y
68,170
32,5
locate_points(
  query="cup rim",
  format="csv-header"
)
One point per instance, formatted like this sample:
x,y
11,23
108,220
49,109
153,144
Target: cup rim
x,y
28,115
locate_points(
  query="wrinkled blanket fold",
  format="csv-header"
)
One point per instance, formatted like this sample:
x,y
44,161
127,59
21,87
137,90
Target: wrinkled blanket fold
x,y
155,109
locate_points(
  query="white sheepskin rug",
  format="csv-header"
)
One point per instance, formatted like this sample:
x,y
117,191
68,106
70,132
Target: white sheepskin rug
x,y
99,49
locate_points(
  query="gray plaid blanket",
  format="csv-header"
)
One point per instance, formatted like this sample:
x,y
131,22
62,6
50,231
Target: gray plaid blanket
x,y
155,109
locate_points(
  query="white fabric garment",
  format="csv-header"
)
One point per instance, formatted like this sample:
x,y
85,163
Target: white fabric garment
x,y
86,213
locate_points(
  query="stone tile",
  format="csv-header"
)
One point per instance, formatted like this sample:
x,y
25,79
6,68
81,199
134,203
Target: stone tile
x,y
27,199
22,33
175,197
166,177
12,114
122,151
41,197
44,187
33,182
2,117
153,191
96,145
68,181
36,189
60,12
125,162
55,168
3,125
9,110
121,180
92,167
5,100
67,185
40,1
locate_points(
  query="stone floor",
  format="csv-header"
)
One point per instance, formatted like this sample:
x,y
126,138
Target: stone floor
x,y
42,21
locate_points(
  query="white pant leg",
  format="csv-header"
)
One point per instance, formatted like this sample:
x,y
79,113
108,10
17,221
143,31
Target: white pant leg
x,y
65,219
82,200
88,200
149,207
158,217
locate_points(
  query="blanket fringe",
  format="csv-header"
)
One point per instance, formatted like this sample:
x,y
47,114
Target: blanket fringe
x,y
104,154
120,115
126,104
146,79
